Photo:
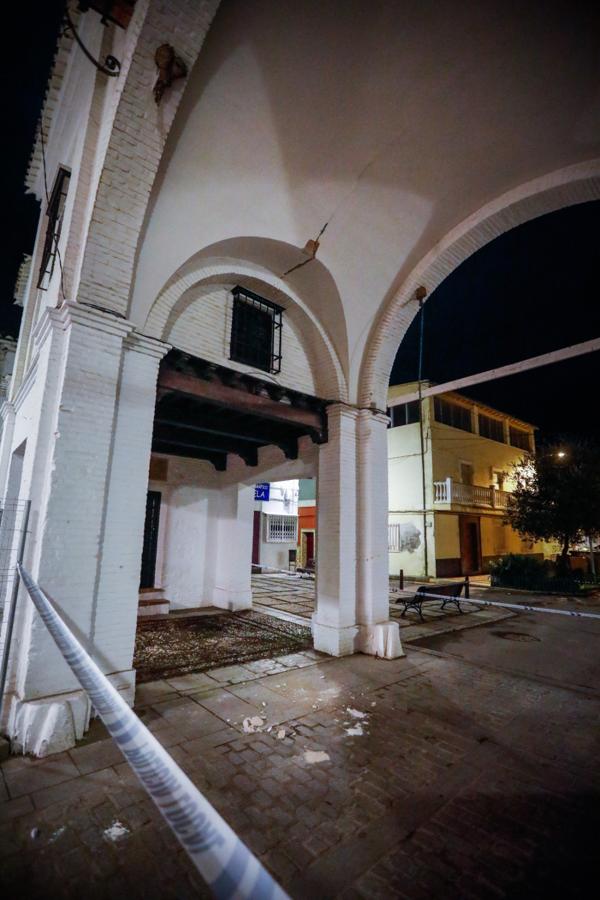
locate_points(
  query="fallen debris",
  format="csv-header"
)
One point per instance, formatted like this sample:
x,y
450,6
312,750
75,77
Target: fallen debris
x,y
281,734
116,831
356,713
252,724
316,756
355,730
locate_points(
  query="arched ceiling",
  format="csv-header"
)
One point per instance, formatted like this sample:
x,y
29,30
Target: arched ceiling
x,y
388,121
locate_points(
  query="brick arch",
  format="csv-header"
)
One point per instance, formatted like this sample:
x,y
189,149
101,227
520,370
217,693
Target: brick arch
x,y
134,150
566,187
175,297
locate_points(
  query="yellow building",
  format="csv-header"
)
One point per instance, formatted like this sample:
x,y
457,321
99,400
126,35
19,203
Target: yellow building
x,y
447,504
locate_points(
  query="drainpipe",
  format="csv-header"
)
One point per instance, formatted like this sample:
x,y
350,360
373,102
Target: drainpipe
x,y
420,294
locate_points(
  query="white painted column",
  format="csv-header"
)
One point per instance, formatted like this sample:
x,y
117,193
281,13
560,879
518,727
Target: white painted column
x,y
232,557
334,621
115,600
377,635
87,475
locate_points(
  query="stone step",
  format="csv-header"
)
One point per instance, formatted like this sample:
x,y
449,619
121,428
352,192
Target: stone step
x,y
158,606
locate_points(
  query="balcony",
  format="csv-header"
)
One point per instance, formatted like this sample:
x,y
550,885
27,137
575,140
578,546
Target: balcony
x,y
453,492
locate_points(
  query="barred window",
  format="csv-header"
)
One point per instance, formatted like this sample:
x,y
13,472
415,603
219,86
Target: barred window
x,y
55,213
393,538
404,414
452,414
491,428
282,529
519,438
255,331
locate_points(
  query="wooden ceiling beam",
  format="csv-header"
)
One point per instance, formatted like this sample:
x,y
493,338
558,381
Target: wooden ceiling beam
x,y
237,400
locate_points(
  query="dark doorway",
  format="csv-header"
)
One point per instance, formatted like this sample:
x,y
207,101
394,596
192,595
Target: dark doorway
x,y
256,539
309,548
470,545
150,546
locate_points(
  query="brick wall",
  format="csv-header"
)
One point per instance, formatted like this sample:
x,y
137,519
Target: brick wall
x,y
204,329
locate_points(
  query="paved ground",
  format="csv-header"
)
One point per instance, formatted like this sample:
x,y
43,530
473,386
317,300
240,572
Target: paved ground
x,y
475,776
293,597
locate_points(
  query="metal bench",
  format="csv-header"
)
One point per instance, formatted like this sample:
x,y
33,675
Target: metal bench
x,y
447,593
308,569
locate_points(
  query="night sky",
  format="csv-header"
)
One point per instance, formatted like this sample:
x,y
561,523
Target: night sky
x,y
532,290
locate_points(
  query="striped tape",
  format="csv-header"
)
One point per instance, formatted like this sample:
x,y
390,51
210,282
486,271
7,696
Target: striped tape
x,y
225,863
520,607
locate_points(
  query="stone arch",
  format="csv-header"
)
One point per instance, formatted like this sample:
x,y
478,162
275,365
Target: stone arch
x,y
566,187
135,147
202,270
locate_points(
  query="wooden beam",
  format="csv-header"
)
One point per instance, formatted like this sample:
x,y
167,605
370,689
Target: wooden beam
x,y
177,448
533,362
234,399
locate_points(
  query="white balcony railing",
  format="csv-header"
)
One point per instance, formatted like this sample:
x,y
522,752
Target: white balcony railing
x,y
450,491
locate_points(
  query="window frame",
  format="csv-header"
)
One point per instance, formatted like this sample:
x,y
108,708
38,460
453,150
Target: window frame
x,y
512,430
403,411
439,403
482,417
55,211
278,530
240,344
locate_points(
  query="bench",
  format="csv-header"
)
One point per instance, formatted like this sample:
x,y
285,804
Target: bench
x,y
308,569
448,593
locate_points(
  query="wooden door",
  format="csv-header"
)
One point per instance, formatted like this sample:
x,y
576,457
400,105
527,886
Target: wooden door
x,y
470,545
150,546
310,547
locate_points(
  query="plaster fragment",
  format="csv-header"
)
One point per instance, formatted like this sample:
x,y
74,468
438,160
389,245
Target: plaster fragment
x,y
252,724
116,831
316,756
356,713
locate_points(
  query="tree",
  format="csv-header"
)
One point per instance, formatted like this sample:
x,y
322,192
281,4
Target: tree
x,y
557,495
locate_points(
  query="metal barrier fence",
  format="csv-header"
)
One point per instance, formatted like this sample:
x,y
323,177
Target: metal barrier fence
x,y
14,519
228,867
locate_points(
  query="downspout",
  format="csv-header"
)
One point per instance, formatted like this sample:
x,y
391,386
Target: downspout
x,y
420,294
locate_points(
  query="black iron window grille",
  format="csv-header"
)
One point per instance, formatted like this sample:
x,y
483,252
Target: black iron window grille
x,y
55,212
256,331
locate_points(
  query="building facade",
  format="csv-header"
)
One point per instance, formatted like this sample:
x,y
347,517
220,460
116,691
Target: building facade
x,y
224,268
450,477
307,523
275,530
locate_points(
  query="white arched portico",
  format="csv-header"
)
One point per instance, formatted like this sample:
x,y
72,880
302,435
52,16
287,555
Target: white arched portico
x,y
566,187
373,128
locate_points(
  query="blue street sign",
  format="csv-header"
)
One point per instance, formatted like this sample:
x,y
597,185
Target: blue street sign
x,y
262,491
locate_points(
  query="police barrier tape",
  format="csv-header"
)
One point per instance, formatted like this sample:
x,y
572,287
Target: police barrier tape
x,y
225,863
520,607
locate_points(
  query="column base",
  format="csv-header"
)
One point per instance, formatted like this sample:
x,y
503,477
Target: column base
x,y
334,640
48,725
234,601
55,723
381,639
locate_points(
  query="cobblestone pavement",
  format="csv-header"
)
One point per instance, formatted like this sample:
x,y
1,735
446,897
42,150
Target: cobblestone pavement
x,y
444,778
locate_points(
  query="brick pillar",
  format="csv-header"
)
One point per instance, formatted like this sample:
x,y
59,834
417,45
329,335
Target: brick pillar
x,y
86,471
377,634
334,620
